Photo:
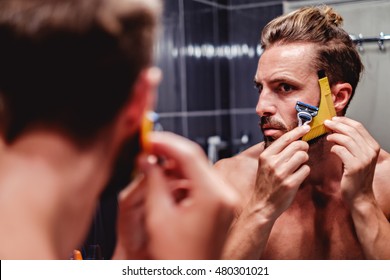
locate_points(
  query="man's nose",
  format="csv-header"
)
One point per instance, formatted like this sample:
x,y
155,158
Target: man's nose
x,y
266,104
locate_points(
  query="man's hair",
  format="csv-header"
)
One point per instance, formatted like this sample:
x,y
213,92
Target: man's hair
x,y
321,25
71,64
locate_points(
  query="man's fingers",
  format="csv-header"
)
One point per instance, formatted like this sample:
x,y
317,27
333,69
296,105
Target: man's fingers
x,y
190,162
297,178
187,155
159,198
286,139
133,194
292,149
353,129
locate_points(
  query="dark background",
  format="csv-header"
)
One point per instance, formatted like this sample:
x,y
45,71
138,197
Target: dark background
x,y
212,93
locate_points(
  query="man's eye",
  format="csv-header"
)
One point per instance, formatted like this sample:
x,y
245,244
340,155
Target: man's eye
x,y
286,87
258,87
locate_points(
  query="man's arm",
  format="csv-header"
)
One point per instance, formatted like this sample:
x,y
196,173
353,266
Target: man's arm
x,y
280,172
248,234
359,152
372,227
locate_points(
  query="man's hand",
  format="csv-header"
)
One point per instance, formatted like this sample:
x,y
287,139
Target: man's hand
x,y
193,225
182,209
359,152
131,233
281,170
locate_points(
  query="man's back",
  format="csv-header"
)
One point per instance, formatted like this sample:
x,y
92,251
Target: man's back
x,y
317,225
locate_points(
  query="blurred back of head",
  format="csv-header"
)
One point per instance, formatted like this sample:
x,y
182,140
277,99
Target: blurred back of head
x,y
70,65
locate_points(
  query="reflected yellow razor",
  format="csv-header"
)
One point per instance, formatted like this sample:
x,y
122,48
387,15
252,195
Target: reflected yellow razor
x,y
326,110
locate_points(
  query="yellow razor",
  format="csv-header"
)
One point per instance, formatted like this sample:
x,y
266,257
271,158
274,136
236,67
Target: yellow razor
x,y
326,110
146,127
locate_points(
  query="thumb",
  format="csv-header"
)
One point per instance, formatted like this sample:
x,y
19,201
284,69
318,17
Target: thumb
x,y
158,199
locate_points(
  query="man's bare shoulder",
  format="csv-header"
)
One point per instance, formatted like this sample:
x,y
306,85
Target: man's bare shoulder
x,y
384,158
241,169
241,160
381,182
382,169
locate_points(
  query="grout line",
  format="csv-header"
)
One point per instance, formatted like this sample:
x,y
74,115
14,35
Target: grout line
x,y
210,113
254,5
217,72
183,66
213,4
240,6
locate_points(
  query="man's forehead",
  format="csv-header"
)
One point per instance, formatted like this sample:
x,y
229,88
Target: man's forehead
x,y
286,61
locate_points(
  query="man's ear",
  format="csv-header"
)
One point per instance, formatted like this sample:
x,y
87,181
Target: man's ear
x,y
341,93
141,99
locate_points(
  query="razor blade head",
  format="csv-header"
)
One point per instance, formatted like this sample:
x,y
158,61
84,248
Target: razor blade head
x,y
305,117
303,107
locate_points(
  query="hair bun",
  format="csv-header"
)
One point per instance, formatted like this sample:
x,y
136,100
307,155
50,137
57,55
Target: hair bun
x,y
332,16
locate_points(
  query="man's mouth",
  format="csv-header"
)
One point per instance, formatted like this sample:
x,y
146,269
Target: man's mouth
x,y
271,128
271,131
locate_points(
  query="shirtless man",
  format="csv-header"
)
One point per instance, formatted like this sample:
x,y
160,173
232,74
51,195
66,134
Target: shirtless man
x,y
326,199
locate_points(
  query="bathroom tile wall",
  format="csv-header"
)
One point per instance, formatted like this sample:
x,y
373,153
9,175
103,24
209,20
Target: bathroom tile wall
x,y
208,54
246,21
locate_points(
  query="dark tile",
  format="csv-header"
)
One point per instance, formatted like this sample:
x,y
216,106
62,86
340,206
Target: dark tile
x,y
262,2
171,8
201,128
200,70
169,93
245,124
167,58
243,68
172,124
211,84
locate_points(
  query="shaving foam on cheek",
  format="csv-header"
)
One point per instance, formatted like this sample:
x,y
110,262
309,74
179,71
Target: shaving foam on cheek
x,y
326,110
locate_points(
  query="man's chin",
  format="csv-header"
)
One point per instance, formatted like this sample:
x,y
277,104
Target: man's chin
x,y
268,141
318,139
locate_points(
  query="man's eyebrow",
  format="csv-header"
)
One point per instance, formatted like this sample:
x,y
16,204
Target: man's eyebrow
x,y
283,79
278,80
255,80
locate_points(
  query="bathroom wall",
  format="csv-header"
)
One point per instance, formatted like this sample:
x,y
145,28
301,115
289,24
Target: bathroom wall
x,y
208,51
247,19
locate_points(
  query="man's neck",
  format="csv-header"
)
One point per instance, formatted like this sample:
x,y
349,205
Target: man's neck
x,y
325,167
48,194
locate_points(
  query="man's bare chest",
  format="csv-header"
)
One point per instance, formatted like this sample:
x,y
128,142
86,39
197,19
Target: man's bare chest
x,y
309,230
